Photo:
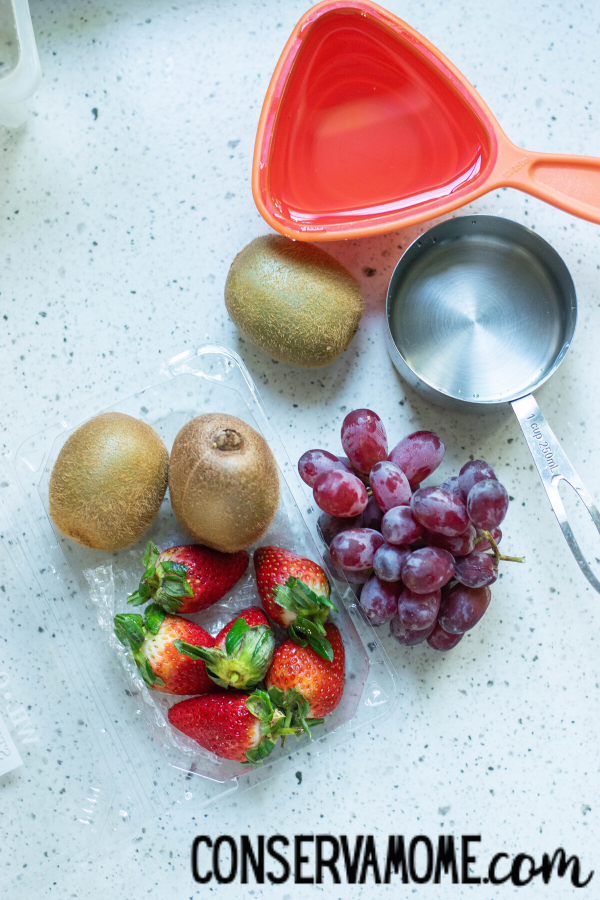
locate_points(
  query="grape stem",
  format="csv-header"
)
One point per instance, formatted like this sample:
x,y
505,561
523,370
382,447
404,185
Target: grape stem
x,y
485,535
362,477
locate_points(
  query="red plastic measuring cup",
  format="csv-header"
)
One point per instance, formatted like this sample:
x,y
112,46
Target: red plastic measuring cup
x,y
367,127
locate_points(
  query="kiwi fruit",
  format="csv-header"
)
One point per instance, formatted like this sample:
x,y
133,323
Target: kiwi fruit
x,y
108,482
223,482
293,300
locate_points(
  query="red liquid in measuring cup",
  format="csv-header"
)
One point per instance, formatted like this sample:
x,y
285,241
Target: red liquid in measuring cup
x,y
366,126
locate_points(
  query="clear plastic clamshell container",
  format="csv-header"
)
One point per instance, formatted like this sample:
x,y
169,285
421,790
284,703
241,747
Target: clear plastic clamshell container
x,y
86,751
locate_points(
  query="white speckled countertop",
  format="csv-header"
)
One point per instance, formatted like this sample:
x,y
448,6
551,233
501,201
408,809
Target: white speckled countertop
x,y
123,201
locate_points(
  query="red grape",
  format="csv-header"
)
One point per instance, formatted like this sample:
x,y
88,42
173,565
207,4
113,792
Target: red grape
x,y
476,570
452,485
346,574
418,611
379,600
427,569
328,526
487,504
441,640
418,455
482,544
399,526
389,485
314,462
371,515
355,549
462,608
415,555
364,439
457,545
389,560
472,472
340,493
440,511
408,637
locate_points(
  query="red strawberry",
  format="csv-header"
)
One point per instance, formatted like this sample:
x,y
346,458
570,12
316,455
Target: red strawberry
x,y
253,615
152,642
299,670
235,725
242,653
295,593
188,578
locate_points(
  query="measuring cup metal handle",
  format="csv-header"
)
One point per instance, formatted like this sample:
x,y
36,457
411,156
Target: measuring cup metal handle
x,y
554,467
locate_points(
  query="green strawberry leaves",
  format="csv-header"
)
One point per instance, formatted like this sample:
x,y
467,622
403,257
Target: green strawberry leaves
x,y
257,754
129,628
295,708
246,659
140,596
146,671
304,632
259,704
165,583
190,649
154,616
311,611
150,555
132,630
296,596
279,715
277,696
235,636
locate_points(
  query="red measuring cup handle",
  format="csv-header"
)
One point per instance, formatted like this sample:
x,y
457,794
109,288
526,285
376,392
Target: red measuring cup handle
x,y
569,182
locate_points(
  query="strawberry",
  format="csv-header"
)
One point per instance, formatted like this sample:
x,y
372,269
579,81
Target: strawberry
x,y
295,593
188,578
242,653
233,725
152,641
303,682
252,615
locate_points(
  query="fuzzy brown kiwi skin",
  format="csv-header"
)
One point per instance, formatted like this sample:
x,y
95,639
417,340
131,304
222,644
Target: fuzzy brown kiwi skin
x,y
108,482
223,482
293,300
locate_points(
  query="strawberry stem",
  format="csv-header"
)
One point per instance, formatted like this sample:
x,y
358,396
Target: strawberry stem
x,y
132,630
246,659
311,612
165,583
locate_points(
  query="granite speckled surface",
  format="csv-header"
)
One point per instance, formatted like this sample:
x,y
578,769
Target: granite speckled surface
x,y
123,202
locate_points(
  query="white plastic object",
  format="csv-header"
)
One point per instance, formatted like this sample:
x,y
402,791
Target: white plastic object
x,y
20,70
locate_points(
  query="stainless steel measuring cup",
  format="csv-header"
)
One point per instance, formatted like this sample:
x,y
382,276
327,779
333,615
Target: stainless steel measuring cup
x,y
481,311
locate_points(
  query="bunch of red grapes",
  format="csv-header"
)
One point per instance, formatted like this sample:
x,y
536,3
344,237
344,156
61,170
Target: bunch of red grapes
x,y
420,554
